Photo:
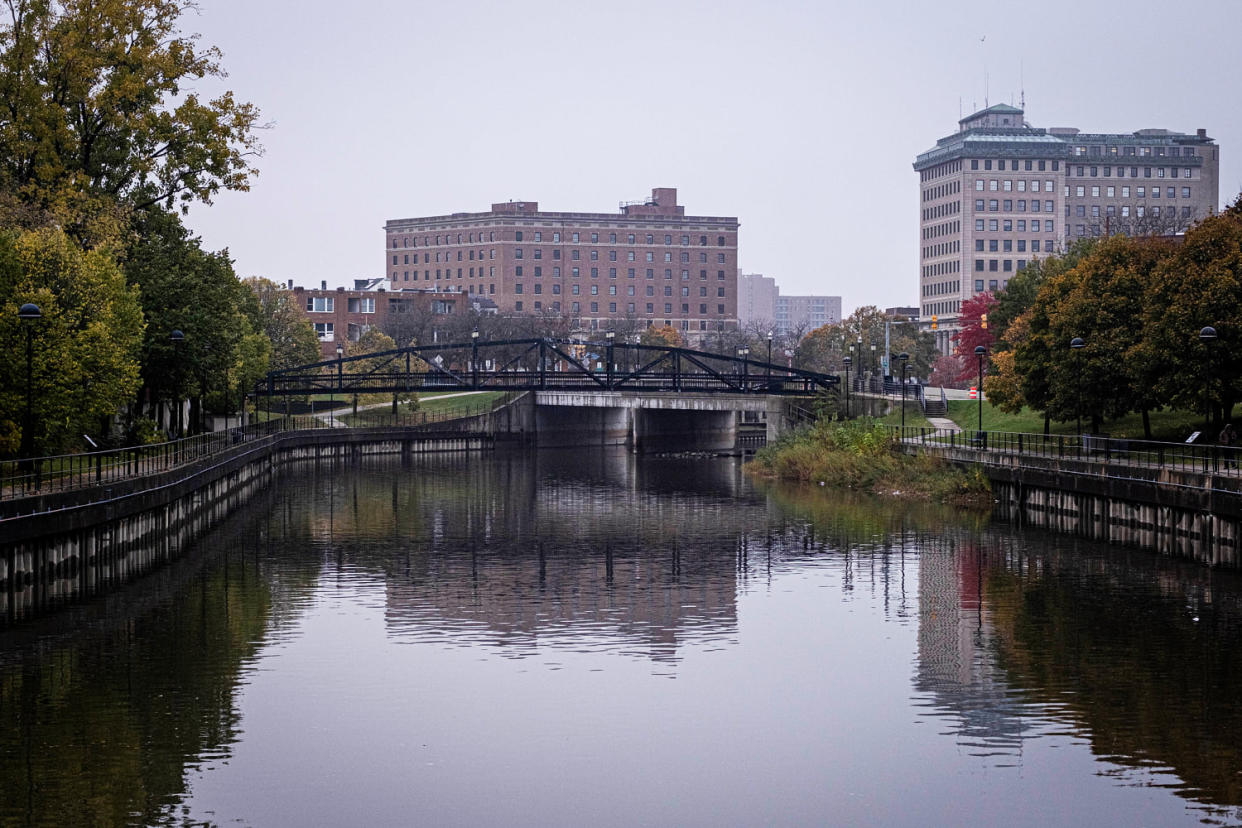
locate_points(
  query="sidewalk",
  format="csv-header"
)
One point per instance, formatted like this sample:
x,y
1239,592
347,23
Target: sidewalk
x,y
945,424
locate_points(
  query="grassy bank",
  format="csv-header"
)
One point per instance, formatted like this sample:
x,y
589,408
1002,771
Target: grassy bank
x,y
862,456
1166,425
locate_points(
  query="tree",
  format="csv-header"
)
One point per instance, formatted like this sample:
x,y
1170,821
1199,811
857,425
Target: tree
x,y
186,288
86,346
98,111
290,334
945,371
1198,284
972,334
374,341
665,336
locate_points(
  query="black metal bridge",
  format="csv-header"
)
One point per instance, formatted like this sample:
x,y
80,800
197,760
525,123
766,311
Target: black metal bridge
x,y
543,364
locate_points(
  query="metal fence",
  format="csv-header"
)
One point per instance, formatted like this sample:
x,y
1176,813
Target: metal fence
x,y
1122,457
58,473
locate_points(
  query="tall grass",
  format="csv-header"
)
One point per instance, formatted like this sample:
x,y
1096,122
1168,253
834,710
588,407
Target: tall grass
x,y
862,455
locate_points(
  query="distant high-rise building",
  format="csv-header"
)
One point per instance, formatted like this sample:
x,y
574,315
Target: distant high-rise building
x,y
649,263
806,313
756,298
1000,193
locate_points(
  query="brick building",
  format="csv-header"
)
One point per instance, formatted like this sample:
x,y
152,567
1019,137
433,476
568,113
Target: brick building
x,y
341,315
649,263
1000,193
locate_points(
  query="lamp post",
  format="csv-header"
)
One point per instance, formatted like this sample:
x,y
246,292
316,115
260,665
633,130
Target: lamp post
x,y
743,352
1207,336
872,365
1076,344
474,358
177,338
980,353
340,352
767,371
29,313
610,336
847,361
904,358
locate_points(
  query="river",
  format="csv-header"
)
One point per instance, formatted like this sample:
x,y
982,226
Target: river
x,y
596,638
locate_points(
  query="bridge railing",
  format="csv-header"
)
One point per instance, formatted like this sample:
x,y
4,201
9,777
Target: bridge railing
x,y
1121,457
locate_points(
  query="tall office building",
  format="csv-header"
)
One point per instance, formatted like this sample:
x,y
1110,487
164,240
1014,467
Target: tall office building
x,y
649,263
1000,193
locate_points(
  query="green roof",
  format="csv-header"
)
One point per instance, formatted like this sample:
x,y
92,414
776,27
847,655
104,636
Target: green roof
x,y
1003,109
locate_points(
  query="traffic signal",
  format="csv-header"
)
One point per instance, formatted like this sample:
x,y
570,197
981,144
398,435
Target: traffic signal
x,y
934,324
983,321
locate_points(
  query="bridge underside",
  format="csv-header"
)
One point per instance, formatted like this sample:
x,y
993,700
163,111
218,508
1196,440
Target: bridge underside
x,y
653,422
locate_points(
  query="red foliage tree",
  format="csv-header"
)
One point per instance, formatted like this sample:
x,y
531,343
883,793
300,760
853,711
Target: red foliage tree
x,y
973,334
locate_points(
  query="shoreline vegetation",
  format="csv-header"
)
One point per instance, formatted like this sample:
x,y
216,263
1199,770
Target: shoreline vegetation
x,y
862,456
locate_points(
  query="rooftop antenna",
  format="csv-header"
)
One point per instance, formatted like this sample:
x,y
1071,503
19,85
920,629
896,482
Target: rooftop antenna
x,y
1022,87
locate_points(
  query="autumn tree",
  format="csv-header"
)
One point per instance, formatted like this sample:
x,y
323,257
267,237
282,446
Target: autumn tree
x,y
291,334
972,334
1199,284
101,113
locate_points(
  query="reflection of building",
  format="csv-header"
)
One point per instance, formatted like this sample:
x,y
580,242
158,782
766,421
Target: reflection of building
x,y
956,667
650,262
999,193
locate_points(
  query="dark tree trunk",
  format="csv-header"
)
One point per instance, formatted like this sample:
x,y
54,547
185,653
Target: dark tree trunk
x,y
1146,424
1047,423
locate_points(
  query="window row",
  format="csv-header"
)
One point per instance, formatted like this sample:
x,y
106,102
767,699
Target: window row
x,y
1029,165
575,289
1011,185
1007,246
1007,205
1008,225
1007,265
594,255
1139,192
1187,172
537,236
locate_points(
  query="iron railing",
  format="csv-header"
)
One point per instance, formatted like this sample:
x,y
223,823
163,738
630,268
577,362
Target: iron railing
x,y
65,472
1120,457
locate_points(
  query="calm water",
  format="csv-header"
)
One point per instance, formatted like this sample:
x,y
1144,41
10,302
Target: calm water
x,y
560,639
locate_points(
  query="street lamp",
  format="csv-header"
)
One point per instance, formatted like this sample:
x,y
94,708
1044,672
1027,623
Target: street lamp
x,y
1076,344
904,358
768,370
177,338
872,366
29,313
474,358
847,361
743,352
340,352
610,336
1207,336
980,351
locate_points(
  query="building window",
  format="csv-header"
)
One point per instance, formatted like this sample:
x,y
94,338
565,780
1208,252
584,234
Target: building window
x,y
361,305
324,331
978,284
320,304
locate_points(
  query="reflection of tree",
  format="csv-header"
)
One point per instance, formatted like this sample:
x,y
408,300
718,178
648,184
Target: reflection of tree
x,y
1150,671
100,727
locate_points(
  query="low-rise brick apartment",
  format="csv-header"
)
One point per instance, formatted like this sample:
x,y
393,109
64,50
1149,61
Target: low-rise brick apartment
x,y
649,263
999,193
341,315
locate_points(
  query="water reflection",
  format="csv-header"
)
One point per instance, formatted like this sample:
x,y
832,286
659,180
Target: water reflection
x,y
816,635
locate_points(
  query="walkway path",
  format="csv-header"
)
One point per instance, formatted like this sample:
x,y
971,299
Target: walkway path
x,y
945,424
329,417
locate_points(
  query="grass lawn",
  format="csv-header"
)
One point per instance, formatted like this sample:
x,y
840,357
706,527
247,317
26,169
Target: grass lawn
x,y
441,405
1169,426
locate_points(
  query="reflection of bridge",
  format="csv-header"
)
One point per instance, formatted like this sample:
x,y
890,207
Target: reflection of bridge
x,y
544,364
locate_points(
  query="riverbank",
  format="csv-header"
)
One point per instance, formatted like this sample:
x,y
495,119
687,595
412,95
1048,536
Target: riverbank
x,y
862,456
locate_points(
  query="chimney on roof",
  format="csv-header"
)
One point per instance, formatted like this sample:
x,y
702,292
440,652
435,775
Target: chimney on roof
x,y
1202,133
323,285
290,284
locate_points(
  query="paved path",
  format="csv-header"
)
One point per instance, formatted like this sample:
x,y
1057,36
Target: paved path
x,y
945,424
329,417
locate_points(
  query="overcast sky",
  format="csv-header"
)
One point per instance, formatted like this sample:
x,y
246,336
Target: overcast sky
x,y
801,119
